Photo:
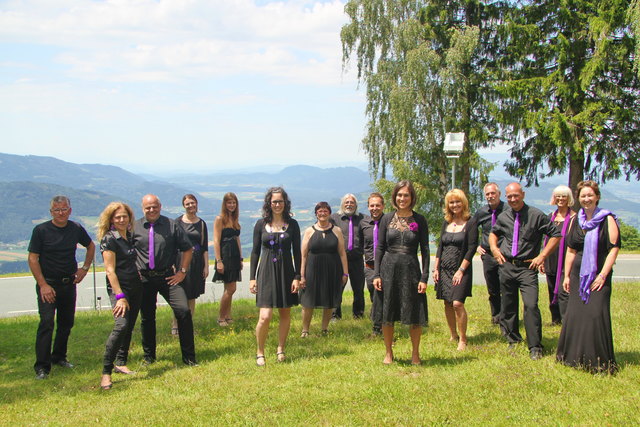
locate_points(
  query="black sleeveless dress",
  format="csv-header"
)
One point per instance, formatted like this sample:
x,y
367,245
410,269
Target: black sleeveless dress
x,y
323,272
452,244
193,283
230,254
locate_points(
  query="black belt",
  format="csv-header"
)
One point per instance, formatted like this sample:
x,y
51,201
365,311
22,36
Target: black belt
x,y
64,280
405,251
519,263
155,273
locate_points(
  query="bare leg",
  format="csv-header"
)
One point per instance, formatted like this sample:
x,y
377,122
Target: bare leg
x,y
461,319
225,301
415,331
326,318
262,328
387,333
307,314
450,314
283,328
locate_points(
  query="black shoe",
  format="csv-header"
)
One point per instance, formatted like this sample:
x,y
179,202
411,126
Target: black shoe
x,y
495,320
357,316
65,364
512,345
41,374
376,333
148,361
191,363
535,353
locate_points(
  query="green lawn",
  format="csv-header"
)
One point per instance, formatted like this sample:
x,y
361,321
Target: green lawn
x,y
333,380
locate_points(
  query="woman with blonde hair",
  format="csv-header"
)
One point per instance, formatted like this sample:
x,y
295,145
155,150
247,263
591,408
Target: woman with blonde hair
x,y
453,270
123,286
553,267
228,251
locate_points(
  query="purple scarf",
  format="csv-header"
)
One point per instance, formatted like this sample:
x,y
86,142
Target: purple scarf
x,y
589,266
559,275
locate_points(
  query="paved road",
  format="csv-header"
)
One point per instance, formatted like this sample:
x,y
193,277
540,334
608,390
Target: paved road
x,y
18,296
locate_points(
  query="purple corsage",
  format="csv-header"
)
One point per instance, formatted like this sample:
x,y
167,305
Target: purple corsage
x,y
413,227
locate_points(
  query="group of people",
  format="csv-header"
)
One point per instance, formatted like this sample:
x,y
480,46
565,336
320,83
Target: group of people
x,y
155,254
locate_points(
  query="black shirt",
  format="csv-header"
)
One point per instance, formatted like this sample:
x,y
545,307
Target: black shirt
x,y
56,247
483,218
533,225
366,237
169,238
342,221
125,253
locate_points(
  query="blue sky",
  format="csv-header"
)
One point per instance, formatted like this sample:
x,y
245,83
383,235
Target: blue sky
x,y
175,85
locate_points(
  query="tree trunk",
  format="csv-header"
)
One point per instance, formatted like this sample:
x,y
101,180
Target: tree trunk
x,y
576,174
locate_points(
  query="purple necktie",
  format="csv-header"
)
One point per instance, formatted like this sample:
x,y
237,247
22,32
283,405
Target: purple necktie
x,y
493,217
375,237
152,255
350,245
516,235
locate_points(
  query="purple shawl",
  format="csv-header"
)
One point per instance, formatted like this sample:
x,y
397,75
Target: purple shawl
x,y
589,267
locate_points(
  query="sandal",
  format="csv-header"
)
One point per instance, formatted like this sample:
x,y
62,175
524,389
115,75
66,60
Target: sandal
x,y
228,320
174,332
280,356
260,361
106,386
304,334
223,323
123,370
325,332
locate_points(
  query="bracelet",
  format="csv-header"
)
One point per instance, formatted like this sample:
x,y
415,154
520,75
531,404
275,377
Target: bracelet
x,y
461,269
602,277
86,268
120,296
345,275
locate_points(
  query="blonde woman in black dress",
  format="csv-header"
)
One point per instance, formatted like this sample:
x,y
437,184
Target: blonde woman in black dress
x,y
228,251
275,269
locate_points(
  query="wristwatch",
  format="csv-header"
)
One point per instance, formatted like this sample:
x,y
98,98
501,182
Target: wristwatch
x,y
183,270
85,268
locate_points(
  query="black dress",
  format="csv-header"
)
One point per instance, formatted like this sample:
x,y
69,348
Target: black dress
x,y
586,340
323,272
230,253
558,309
193,283
278,254
452,250
396,263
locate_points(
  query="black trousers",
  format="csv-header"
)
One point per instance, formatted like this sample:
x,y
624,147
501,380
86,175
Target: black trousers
x,y
491,267
356,280
117,347
377,299
525,280
177,299
65,306
558,309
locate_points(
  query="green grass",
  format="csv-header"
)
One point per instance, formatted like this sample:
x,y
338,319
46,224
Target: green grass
x,y
334,380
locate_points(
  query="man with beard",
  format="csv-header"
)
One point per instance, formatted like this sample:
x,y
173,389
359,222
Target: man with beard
x,y
369,238
348,219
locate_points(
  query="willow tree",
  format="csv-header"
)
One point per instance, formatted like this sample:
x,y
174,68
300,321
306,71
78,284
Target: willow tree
x,y
424,65
570,96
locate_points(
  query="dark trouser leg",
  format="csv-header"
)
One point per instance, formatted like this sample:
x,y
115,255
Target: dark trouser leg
x,y
66,307
492,279
356,280
509,304
376,301
177,299
532,318
553,308
44,335
135,299
148,316
120,337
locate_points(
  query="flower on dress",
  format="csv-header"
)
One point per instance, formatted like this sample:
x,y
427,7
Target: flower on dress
x,y
413,226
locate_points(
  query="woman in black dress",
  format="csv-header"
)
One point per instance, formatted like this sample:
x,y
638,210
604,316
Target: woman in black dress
x,y
398,272
228,251
553,266
196,231
275,268
123,286
324,269
453,270
586,340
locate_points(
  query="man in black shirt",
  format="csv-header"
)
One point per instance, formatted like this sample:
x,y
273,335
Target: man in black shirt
x,y
486,217
521,228
369,238
348,219
52,260
158,274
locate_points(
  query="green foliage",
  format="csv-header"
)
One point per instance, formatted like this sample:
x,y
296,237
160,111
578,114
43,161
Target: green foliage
x,y
629,236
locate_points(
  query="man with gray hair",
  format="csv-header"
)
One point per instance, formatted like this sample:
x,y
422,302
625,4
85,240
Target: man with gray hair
x,y
348,219
52,260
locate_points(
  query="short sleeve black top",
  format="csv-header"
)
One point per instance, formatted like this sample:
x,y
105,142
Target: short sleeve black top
x,y
169,238
366,237
534,224
125,253
56,247
482,218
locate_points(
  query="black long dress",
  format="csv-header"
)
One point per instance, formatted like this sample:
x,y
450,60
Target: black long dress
x,y
396,263
193,283
230,253
559,309
323,272
452,250
586,340
278,254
